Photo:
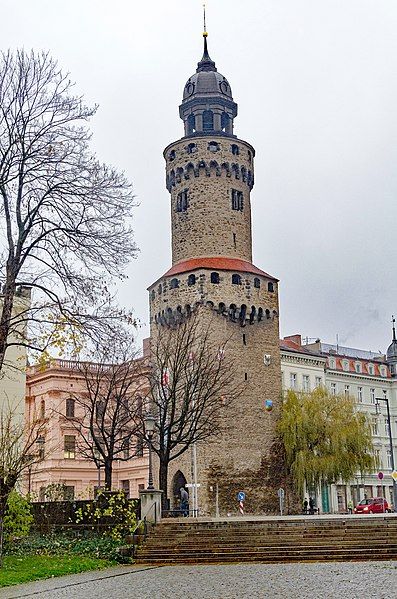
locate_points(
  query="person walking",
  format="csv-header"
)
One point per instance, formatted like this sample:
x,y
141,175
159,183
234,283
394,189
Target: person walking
x,y
305,504
184,501
350,506
311,505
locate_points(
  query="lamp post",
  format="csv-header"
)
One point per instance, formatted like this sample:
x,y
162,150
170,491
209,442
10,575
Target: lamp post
x,y
377,407
150,423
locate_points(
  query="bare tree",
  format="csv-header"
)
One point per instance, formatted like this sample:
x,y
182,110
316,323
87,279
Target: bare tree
x,y
190,384
109,408
65,216
19,450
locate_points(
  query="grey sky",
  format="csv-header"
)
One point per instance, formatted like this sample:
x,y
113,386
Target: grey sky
x,y
316,85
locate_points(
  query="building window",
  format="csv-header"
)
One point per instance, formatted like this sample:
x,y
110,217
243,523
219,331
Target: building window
x,y
174,284
331,362
360,394
293,379
387,427
125,487
69,447
319,381
382,371
41,444
257,283
374,426
70,403
171,155
270,287
347,390
345,365
377,458
372,395
160,290
306,383
99,409
370,369
191,280
215,277
357,367
236,279
42,409
191,148
68,493
182,201
333,388
208,120
139,447
388,457
237,200
235,149
213,146
125,446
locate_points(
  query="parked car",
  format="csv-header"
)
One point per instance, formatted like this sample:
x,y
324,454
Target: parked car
x,y
373,505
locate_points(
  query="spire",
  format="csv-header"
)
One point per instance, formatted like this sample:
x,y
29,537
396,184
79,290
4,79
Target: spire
x,y
205,64
394,328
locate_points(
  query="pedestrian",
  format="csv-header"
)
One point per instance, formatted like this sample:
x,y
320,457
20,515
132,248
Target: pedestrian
x,y
311,505
305,504
350,506
184,501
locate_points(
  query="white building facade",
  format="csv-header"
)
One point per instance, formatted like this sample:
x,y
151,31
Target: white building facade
x,y
369,378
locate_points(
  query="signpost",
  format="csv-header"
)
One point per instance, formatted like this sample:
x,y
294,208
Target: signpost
x,y
241,499
281,495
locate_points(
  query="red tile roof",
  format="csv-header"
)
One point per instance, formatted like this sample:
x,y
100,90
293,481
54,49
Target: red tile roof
x,y
289,345
216,263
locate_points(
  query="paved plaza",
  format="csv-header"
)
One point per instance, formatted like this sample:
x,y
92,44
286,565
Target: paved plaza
x,y
253,581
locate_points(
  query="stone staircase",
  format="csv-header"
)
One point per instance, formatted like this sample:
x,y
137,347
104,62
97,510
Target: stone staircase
x,y
293,539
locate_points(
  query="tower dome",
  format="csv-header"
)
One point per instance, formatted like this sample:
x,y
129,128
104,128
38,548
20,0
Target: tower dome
x,y
207,106
391,354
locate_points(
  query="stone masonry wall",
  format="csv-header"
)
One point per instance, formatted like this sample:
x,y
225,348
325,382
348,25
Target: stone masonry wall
x,y
210,227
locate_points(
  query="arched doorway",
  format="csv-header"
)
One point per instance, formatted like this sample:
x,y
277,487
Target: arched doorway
x,y
178,481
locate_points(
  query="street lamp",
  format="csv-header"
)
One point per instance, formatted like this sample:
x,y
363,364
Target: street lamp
x,y
150,423
377,407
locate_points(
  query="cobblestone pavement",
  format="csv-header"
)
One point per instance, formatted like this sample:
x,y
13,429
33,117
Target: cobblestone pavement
x,y
239,581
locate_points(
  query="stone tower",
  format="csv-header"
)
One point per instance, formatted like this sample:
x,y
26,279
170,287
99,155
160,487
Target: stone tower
x,y
210,175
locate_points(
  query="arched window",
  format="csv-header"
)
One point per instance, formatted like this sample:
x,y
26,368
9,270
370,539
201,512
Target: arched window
x,y
171,155
152,295
270,287
257,283
224,121
208,120
174,284
235,149
191,148
237,200
213,146
160,290
236,279
215,277
260,314
182,201
191,124
191,280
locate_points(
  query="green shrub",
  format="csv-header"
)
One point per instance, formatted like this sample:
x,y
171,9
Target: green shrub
x,y
18,518
110,508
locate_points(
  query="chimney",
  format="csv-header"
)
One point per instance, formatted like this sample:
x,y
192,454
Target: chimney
x,y
295,339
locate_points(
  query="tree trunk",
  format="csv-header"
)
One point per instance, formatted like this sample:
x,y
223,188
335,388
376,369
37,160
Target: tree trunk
x,y
163,483
6,313
108,475
3,504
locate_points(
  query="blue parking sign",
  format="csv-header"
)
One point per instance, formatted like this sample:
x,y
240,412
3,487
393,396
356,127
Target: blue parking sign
x,y
241,496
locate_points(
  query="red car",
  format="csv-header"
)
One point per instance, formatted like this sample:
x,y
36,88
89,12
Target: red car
x,y
373,505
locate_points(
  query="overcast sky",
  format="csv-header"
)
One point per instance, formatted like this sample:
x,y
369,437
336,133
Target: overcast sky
x,y
316,85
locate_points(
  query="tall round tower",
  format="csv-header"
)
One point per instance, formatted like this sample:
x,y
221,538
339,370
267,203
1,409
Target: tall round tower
x,y
210,175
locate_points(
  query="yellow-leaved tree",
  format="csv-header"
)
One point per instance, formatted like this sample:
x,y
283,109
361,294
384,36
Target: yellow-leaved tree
x,y
325,438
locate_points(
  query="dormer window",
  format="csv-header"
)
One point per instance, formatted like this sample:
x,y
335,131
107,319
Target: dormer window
x,y
371,369
235,149
331,362
345,365
213,146
382,371
357,367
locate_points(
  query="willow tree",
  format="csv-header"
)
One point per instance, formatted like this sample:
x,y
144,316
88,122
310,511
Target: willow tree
x,y
325,438
65,217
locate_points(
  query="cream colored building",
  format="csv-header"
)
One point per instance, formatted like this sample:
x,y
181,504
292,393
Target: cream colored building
x,y
363,375
13,372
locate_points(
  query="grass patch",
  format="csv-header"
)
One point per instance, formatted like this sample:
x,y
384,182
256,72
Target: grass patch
x,y
18,569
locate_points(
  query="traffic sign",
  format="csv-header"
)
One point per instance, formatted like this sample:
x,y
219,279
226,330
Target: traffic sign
x,y
394,475
241,496
191,485
281,493
380,475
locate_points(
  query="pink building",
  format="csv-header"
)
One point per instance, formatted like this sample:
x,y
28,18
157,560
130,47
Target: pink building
x,y
49,396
